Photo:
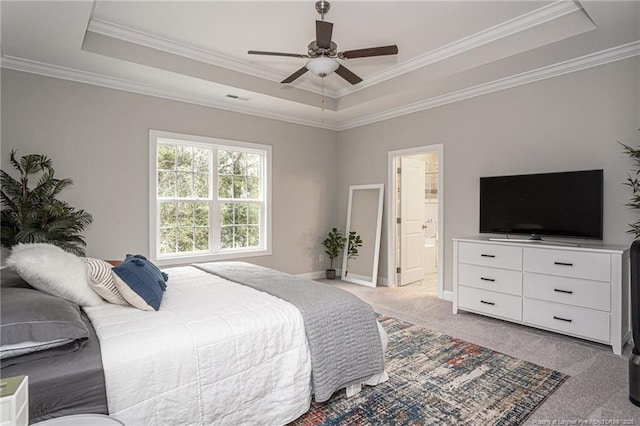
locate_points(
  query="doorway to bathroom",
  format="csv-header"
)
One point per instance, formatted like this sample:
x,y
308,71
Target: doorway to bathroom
x,y
415,224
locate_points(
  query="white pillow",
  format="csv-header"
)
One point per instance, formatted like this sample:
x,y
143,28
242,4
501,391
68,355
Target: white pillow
x,y
100,279
50,269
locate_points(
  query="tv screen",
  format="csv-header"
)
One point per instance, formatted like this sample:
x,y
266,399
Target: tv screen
x,y
566,204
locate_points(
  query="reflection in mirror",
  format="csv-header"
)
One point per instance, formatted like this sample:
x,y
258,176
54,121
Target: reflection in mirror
x,y
364,218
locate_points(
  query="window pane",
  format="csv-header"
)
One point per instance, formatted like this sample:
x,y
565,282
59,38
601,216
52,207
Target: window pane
x,y
185,239
239,167
168,240
167,214
166,157
226,214
201,216
253,165
201,160
166,184
254,236
240,237
241,214
225,163
225,187
185,214
201,238
226,237
239,189
184,184
253,187
201,185
184,158
254,214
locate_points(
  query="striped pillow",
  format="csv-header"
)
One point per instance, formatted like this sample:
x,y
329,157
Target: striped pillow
x,y
101,281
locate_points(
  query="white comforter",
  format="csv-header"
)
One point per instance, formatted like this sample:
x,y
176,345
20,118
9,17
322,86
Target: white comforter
x,y
215,353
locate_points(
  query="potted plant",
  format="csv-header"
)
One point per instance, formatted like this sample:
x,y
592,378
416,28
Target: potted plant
x,y
333,243
34,214
633,181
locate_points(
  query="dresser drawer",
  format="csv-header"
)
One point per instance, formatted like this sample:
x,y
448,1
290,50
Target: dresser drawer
x,y
487,302
494,255
567,263
567,319
571,291
493,279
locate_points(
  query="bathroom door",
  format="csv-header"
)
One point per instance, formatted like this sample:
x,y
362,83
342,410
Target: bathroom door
x,y
412,187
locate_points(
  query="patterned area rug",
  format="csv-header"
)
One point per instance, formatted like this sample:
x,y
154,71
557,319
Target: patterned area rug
x,y
435,379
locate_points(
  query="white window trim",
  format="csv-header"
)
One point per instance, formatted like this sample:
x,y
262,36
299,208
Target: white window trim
x,y
154,214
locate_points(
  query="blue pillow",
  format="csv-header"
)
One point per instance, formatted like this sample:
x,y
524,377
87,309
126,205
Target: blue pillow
x,y
143,283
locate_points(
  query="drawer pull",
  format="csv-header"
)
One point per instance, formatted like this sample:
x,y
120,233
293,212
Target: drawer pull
x,y
488,255
563,263
488,279
562,319
563,291
487,303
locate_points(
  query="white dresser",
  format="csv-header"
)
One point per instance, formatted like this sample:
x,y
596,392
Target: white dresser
x,y
578,291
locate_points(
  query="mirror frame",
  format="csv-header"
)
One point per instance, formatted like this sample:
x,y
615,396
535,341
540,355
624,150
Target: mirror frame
x,y
378,233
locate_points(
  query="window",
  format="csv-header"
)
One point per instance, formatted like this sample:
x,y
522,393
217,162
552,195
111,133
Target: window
x,y
209,198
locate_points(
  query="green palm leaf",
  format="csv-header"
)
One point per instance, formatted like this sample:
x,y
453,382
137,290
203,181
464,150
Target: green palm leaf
x,y
32,215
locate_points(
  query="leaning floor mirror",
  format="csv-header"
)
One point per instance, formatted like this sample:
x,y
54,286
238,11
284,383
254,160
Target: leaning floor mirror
x,y
364,227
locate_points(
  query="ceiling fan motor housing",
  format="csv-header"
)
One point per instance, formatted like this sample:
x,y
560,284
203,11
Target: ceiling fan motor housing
x,y
314,51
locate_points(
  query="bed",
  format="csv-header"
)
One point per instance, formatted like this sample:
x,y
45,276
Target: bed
x,y
65,383
220,350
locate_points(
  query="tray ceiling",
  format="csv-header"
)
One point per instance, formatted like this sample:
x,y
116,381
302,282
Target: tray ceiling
x,y
197,51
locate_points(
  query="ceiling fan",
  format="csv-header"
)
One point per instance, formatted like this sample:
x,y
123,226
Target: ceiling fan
x,y
323,52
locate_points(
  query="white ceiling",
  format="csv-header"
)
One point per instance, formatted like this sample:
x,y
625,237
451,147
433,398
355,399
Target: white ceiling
x,y
197,51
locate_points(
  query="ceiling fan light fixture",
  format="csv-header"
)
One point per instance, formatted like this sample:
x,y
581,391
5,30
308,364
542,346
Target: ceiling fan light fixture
x,y
322,66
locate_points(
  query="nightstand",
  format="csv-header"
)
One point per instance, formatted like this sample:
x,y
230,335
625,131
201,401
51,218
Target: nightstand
x,y
14,401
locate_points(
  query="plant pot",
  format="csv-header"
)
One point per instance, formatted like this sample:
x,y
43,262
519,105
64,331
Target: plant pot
x,y
331,274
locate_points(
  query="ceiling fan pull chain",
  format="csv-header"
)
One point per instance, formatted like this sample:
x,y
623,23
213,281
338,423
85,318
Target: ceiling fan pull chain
x,y
322,103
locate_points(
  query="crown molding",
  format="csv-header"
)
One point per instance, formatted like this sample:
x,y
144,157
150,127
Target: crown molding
x,y
588,61
534,18
529,20
130,35
55,71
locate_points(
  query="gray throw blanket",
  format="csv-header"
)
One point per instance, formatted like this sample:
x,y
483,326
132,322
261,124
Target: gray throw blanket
x,y
341,329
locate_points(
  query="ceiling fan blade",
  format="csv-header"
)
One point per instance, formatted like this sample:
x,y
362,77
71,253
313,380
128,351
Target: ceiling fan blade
x,y
348,75
324,30
372,51
293,55
295,75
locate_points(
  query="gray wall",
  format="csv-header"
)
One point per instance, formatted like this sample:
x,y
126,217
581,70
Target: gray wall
x,y
571,122
99,138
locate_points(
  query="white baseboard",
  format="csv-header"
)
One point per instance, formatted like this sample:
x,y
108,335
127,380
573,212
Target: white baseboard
x,y
319,275
448,296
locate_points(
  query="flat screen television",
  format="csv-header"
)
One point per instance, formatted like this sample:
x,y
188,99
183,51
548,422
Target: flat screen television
x,y
565,204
